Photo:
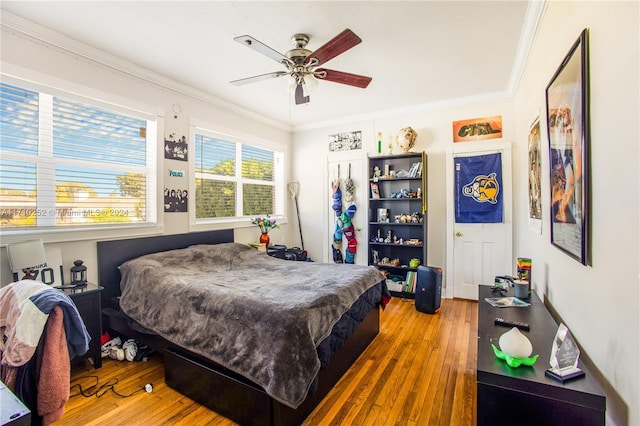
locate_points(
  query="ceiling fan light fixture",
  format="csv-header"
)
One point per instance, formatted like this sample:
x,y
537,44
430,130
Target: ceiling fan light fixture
x,y
293,82
309,85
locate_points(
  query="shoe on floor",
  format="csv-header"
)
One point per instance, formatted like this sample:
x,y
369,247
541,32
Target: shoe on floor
x,y
144,353
115,342
116,353
130,349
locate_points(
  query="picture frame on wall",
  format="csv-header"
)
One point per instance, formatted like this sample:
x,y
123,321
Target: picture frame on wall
x,y
346,141
535,177
567,112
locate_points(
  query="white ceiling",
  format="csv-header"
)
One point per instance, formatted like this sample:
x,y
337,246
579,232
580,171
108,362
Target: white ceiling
x,y
417,52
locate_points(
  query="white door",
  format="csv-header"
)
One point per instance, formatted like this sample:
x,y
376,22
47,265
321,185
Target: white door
x,y
477,252
339,169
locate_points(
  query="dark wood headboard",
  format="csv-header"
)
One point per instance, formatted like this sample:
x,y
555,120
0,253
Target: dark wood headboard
x,y
112,254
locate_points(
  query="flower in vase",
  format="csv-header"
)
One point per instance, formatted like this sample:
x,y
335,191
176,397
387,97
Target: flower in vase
x,y
265,224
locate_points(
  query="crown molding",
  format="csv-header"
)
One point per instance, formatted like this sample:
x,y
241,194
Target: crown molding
x,y
69,46
66,45
535,10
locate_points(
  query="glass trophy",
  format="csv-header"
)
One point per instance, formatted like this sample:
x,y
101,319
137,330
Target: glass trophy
x,y
564,357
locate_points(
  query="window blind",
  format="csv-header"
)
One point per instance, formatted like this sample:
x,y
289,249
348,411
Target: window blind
x,y
68,163
234,179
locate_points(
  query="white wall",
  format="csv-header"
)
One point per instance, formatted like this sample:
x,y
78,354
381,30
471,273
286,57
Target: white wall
x,y
435,137
37,60
599,303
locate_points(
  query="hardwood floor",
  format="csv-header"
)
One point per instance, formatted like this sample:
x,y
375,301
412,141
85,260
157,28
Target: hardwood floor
x,y
420,370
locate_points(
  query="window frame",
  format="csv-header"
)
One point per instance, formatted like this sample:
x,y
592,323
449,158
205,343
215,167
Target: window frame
x,y
280,155
59,88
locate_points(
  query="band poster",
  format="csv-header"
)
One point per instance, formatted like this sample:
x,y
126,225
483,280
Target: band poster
x,y
534,171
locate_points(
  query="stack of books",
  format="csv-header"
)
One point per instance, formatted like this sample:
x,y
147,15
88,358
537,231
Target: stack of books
x,y
410,282
415,170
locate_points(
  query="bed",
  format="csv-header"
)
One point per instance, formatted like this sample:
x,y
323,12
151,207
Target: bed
x,y
243,299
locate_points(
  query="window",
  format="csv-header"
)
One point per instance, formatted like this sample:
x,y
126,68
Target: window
x,y
67,164
236,179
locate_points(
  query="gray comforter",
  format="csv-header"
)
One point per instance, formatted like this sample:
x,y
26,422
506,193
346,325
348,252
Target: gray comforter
x,y
251,313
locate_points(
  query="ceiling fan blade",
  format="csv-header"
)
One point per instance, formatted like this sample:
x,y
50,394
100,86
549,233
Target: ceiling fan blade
x,y
260,47
260,77
343,78
300,97
337,45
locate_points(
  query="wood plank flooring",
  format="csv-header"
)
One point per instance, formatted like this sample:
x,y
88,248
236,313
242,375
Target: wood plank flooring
x,y
420,370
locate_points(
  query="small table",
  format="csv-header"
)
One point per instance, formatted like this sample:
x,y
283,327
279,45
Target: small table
x,y
87,300
524,395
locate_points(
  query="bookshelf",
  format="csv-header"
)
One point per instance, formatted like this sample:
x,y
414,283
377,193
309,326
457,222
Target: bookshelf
x,y
398,218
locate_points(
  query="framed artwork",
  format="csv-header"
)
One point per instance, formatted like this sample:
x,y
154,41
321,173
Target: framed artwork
x,y
535,177
345,141
567,98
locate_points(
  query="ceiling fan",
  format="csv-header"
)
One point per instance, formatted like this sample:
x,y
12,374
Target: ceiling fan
x,y
302,64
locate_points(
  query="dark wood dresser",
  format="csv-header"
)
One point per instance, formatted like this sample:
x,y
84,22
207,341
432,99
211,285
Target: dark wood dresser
x,y
524,395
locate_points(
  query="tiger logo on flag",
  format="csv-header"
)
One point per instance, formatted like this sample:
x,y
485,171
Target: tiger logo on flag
x,y
483,189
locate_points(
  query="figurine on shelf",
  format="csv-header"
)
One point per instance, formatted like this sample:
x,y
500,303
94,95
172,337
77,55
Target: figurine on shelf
x,y
403,193
389,237
387,262
377,172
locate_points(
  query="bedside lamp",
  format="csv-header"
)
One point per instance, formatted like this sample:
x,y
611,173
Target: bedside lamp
x,y
26,256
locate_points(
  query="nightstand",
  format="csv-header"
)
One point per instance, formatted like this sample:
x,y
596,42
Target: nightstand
x,y
87,300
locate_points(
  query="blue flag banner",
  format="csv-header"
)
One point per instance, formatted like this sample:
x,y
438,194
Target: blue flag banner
x,y
478,186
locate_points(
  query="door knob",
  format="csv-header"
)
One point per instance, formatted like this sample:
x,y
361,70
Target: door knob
x,y
458,234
